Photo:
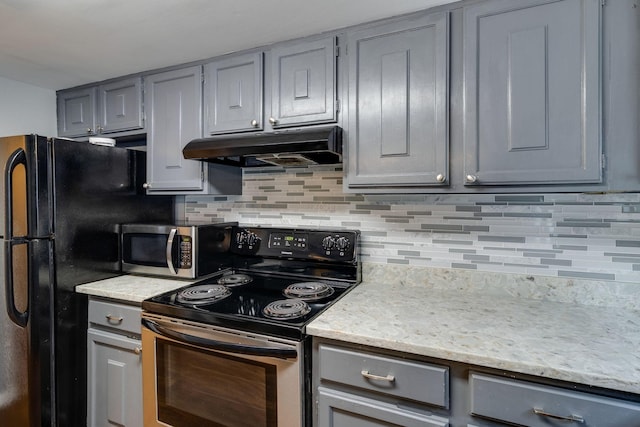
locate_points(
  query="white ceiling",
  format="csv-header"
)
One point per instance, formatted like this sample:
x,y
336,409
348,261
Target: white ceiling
x,y
58,44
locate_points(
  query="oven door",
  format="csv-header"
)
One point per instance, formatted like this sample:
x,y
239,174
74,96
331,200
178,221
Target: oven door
x,y
200,375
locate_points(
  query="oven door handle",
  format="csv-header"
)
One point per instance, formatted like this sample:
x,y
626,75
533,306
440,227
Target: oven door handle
x,y
283,353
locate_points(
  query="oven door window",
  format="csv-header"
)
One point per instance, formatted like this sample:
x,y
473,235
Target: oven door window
x,y
198,387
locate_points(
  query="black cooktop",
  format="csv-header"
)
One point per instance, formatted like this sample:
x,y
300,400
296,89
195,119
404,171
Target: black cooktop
x,y
273,259
244,308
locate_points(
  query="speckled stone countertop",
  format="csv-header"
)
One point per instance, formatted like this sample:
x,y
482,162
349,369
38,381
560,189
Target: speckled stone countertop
x,y
131,288
564,331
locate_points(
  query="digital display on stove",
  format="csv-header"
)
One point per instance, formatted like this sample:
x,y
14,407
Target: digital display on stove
x,y
297,241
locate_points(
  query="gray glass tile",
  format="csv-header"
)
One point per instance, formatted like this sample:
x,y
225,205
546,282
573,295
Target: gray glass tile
x,y
628,243
563,262
506,239
586,275
520,199
465,266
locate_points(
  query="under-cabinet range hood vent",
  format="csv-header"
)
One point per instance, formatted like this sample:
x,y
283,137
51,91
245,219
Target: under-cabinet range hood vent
x,y
282,148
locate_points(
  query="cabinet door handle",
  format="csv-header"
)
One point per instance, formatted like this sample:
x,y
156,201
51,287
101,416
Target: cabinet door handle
x,y
113,319
543,413
137,350
390,378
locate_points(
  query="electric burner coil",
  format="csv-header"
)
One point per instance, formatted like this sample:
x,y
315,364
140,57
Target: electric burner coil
x,y
203,294
308,291
287,309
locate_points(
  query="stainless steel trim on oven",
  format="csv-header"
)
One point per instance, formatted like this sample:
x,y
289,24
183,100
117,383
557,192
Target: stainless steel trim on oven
x,y
283,358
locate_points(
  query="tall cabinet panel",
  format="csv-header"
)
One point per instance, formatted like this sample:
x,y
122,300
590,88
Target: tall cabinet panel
x,y
174,101
398,104
532,92
233,96
303,83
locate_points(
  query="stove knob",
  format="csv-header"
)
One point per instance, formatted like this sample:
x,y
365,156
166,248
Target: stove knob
x,y
328,243
241,237
342,243
252,239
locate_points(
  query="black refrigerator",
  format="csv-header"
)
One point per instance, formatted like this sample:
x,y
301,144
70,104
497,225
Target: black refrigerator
x,y
62,204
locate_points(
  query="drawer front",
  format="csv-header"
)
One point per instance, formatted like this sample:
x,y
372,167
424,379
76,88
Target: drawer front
x,y
410,380
113,315
338,409
536,405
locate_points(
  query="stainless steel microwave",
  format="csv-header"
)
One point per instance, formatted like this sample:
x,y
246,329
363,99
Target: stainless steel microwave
x,y
184,251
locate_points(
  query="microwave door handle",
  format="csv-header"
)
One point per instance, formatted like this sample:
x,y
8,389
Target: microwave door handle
x,y
172,235
283,353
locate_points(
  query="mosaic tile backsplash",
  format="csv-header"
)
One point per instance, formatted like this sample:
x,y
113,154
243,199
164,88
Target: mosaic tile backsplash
x,y
586,236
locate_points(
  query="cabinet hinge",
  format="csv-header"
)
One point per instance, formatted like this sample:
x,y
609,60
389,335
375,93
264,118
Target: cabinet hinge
x,y
337,105
603,161
202,175
337,51
603,2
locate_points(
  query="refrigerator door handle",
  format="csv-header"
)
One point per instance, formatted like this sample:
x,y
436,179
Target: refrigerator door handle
x,y
20,318
16,158
169,250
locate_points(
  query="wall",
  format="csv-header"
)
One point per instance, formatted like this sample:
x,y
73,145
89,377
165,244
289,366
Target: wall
x,y
562,235
26,109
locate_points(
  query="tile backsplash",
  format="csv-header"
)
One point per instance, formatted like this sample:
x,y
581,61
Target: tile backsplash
x,y
587,236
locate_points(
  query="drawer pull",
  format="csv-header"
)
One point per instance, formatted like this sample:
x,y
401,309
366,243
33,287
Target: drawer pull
x,y
574,418
113,319
370,376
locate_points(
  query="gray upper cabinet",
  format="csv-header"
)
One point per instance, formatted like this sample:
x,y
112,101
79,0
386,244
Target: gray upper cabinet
x,y
398,104
294,86
234,94
120,106
532,92
303,83
105,109
174,105
76,112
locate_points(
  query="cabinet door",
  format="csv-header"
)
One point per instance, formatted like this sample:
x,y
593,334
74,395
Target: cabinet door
x,y
120,105
114,380
339,409
303,84
532,92
234,94
398,104
174,118
76,112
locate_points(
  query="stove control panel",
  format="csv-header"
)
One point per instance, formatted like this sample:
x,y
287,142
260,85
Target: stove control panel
x,y
296,243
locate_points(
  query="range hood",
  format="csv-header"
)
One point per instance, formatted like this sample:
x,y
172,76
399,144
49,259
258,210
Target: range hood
x,y
299,147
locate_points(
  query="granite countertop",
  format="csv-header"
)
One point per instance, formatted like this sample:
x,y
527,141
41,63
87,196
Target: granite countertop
x,y
131,288
588,344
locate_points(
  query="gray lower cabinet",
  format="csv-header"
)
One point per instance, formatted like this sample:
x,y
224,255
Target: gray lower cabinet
x,y
338,409
109,108
364,389
534,405
532,92
362,386
398,76
114,365
174,117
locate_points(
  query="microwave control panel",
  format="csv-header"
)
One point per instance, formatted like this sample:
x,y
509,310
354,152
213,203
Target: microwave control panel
x,y
294,243
185,252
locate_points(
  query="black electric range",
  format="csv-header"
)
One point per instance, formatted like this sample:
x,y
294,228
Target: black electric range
x,y
273,281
